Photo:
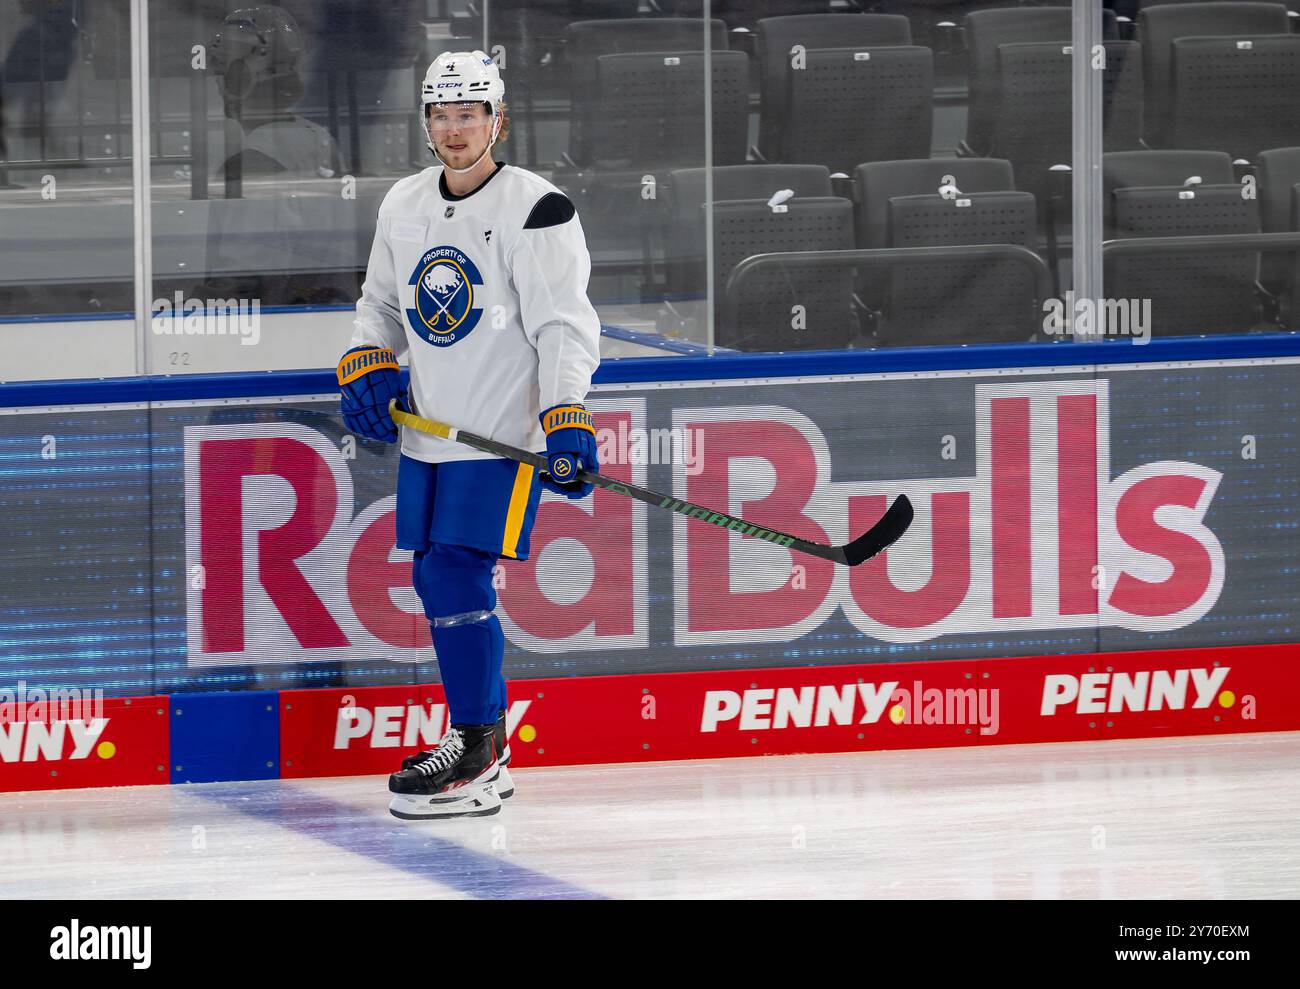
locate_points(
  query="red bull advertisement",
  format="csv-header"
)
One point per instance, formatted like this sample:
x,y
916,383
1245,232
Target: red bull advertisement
x,y
247,543
1039,535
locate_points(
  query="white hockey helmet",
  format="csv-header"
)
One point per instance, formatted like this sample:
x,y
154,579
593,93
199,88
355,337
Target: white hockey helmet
x,y
463,77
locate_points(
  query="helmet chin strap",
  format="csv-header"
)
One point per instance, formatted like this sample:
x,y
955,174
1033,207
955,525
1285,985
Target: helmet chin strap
x,y
496,129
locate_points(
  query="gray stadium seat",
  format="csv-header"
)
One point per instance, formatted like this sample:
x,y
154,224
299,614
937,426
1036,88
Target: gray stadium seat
x,y
1195,293
1032,123
684,237
1278,173
1131,7
875,183
648,118
1240,94
907,318
744,13
1160,167
650,105
765,318
1293,313
1160,26
854,105
587,41
961,301
985,31
776,36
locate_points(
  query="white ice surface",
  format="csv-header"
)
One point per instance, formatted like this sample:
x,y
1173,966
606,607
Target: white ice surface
x,y
1186,817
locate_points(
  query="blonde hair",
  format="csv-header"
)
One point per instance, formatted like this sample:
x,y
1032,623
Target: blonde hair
x,y
505,125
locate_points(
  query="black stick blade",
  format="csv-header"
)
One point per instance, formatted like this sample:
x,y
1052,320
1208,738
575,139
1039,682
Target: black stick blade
x,y
882,535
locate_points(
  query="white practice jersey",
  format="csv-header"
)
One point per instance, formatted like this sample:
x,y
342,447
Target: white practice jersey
x,y
486,297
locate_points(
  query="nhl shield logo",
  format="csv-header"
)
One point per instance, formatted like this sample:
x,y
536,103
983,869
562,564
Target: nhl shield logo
x,y
443,288
449,212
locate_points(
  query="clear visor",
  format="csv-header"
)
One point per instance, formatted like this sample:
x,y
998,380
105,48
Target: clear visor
x,y
445,117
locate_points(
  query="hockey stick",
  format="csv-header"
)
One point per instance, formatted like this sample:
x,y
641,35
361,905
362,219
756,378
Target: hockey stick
x,y
449,298
875,540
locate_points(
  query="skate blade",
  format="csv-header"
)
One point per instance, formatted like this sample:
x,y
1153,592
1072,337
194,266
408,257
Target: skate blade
x,y
482,802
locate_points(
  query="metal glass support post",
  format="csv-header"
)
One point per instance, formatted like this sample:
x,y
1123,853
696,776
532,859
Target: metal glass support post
x,y
142,234
709,287
1086,154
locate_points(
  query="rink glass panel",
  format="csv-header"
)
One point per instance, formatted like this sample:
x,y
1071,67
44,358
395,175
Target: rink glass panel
x,y
294,120
301,119
1211,91
269,157
247,544
66,279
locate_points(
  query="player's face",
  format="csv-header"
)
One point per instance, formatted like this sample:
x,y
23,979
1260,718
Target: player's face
x,y
460,131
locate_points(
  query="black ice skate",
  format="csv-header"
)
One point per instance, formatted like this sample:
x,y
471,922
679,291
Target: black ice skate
x,y
505,784
456,779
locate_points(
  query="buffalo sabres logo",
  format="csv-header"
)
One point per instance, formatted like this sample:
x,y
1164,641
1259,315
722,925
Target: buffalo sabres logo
x,y
443,289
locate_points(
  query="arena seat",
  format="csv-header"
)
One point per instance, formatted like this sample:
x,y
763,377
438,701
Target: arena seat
x,y
684,236
777,36
744,13
780,308
1293,312
875,183
649,105
961,301
853,105
1240,94
1159,167
1190,193
587,41
1032,123
986,31
1279,208
647,119
956,300
1158,29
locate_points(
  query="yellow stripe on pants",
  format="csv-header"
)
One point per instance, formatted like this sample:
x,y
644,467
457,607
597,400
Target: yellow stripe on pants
x,y
518,506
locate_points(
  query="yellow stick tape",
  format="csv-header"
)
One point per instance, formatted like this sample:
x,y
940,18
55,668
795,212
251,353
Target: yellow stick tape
x,y
420,423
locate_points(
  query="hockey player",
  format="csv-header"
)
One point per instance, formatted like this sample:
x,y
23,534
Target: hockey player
x,y
478,275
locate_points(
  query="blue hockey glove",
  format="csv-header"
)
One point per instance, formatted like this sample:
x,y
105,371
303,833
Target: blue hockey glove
x,y
368,378
570,449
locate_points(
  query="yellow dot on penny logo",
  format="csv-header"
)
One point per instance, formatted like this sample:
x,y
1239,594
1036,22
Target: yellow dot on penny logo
x,y
527,733
1227,698
897,713
106,750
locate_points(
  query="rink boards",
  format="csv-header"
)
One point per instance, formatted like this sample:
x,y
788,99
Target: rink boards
x,y
1101,550
198,738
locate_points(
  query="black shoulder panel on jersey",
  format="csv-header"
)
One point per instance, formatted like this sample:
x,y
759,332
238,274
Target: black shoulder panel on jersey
x,y
551,210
